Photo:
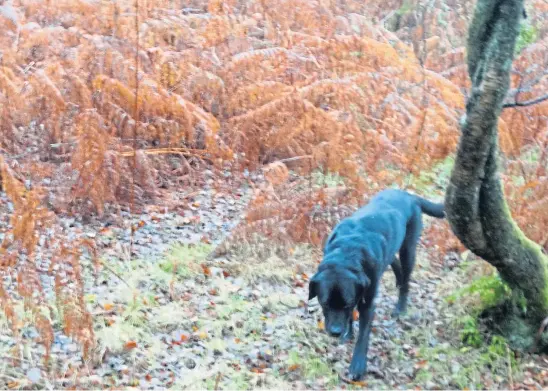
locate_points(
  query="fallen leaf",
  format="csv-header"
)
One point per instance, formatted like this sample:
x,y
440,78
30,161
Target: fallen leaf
x,y
276,173
293,367
206,270
421,364
140,224
105,231
184,337
356,315
202,335
321,325
226,274
362,384
108,306
187,296
130,345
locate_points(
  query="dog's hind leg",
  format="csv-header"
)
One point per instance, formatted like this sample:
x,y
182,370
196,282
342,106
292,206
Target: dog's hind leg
x,y
407,260
396,268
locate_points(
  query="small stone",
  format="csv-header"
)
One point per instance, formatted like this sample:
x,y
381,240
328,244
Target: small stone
x,y
190,363
455,368
73,348
34,375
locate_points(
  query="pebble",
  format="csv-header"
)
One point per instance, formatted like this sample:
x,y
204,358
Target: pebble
x,y
72,348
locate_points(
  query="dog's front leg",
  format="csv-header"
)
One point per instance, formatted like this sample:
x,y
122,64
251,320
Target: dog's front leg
x,y
358,365
349,334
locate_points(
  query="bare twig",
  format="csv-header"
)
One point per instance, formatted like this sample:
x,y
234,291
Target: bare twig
x,y
292,159
510,376
527,102
217,381
188,10
541,329
390,14
114,272
425,99
137,117
167,151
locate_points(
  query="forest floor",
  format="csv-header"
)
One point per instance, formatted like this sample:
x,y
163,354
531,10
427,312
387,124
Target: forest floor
x,y
168,316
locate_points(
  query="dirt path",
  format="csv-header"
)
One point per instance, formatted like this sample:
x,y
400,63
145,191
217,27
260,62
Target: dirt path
x,y
167,317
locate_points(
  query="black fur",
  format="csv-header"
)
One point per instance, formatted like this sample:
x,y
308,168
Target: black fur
x,y
356,255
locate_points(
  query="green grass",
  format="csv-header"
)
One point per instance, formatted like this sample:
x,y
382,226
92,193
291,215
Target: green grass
x,y
460,366
406,7
327,179
183,259
427,182
490,289
312,366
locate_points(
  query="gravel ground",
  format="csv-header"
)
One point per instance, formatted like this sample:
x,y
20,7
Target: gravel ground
x,y
169,317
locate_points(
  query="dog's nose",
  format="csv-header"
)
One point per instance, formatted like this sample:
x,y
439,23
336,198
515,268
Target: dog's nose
x,y
336,331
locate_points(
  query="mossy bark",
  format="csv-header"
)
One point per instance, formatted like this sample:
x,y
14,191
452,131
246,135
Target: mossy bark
x,y
475,203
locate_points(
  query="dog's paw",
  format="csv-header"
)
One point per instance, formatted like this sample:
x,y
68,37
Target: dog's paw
x,y
348,337
399,311
396,313
357,369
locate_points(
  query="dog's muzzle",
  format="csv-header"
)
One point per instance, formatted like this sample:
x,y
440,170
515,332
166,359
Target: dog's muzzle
x,y
338,325
336,330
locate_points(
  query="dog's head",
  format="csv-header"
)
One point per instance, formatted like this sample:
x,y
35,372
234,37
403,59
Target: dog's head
x,y
339,291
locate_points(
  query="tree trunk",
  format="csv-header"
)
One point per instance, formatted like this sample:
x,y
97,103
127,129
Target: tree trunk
x,y
475,203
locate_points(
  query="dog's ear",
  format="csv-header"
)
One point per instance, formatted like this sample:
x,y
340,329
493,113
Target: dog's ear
x,y
362,283
312,290
328,240
313,287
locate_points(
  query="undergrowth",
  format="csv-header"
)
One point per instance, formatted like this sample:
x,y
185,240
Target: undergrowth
x,y
98,115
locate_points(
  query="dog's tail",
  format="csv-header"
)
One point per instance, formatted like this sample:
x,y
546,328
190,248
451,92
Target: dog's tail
x,y
431,208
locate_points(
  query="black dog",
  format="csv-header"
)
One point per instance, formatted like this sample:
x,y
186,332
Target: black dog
x,y
357,253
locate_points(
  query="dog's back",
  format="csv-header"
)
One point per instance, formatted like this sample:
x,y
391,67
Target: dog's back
x,y
382,221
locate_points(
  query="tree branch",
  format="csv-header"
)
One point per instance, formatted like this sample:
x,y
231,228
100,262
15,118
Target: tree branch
x,y
527,102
